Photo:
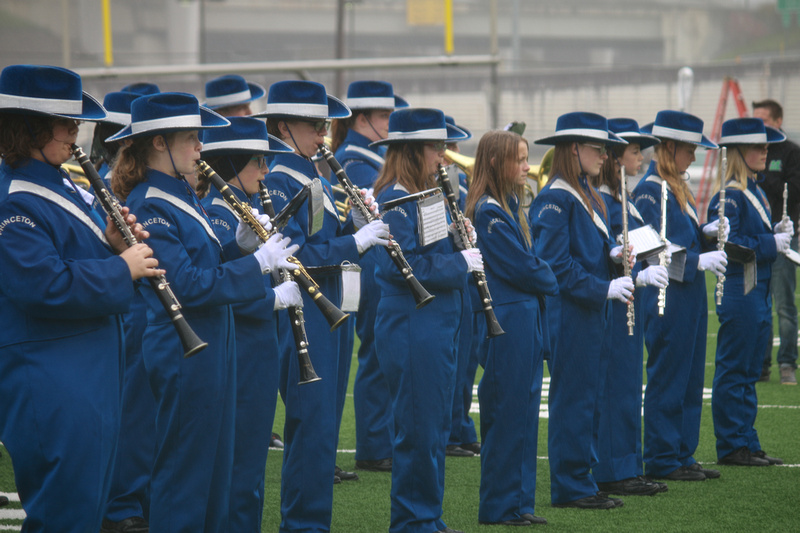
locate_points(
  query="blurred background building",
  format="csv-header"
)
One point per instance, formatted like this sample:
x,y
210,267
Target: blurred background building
x,y
613,57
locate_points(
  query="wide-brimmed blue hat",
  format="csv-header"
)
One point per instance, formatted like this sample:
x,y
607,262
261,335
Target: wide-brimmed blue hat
x,y
580,126
628,129
679,126
748,131
420,125
302,99
142,87
231,90
118,107
465,131
45,90
159,113
368,94
245,135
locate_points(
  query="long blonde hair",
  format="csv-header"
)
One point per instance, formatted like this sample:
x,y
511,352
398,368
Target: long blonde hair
x,y
566,166
405,162
665,164
495,174
737,168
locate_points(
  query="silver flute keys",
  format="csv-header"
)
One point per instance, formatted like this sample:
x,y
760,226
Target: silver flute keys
x,y
662,256
626,265
723,168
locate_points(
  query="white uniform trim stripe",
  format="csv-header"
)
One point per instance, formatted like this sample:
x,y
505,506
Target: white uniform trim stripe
x,y
304,180
760,208
183,121
153,192
678,135
561,185
492,201
437,133
632,211
228,98
48,105
367,153
18,186
222,203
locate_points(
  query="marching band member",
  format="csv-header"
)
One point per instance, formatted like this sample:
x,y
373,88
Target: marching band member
x,y
237,153
66,281
195,396
371,103
417,352
619,444
570,232
745,319
298,113
231,95
676,341
511,387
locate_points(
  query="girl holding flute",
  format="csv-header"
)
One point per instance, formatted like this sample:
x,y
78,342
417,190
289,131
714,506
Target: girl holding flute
x,y
676,341
619,443
511,386
417,348
195,397
745,318
570,232
67,279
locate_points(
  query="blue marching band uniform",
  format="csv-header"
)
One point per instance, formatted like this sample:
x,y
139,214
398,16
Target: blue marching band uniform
x,y
83,338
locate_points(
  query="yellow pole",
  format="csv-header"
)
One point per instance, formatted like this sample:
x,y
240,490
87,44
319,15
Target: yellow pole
x,y
448,27
107,44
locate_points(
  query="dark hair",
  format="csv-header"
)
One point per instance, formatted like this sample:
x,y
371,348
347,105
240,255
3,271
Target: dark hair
x,y
775,109
21,134
103,151
227,166
340,127
610,173
130,165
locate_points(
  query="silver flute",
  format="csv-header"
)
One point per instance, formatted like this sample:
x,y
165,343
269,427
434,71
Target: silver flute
x,y
723,168
626,265
662,256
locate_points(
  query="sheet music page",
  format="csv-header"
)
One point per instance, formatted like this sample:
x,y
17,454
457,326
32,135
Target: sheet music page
x,y
432,219
645,241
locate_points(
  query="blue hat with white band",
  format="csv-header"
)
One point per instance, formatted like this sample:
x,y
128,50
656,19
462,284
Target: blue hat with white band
x,y
48,91
160,113
142,88
748,131
303,100
118,106
420,125
369,94
628,129
580,126
679,126
231,90
452,122
245,135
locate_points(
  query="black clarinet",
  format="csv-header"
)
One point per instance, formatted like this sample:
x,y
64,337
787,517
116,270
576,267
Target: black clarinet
x,y
307,373
421,296
192,344
493,327
333,314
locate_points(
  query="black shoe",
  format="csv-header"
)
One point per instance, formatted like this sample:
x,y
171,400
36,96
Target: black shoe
x,y
345,475
761,454
448,530
3,501
379,465
708,472
457,451
474,447
592,502
662,487
684,473
742,457
275,441
134,524
635,486
336,480
534,520
512,522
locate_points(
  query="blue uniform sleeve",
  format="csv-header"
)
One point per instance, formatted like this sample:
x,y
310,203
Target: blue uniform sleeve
x,y
762,243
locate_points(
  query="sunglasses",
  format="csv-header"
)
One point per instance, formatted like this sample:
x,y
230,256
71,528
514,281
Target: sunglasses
x,y
260,160
320,125
599,147
438,146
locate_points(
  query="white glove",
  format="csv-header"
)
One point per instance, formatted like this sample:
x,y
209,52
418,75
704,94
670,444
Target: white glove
x,y
621,289
246,237
711,230
287,294
782,241
376,232
785,226
715,262
358,219
473,235
272,254
655,275
616,255
474,259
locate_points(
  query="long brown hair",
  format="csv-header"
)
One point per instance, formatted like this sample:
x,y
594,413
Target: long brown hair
x,y
610,174
566,166
405,162
495,174
665,164
22,134
339,129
